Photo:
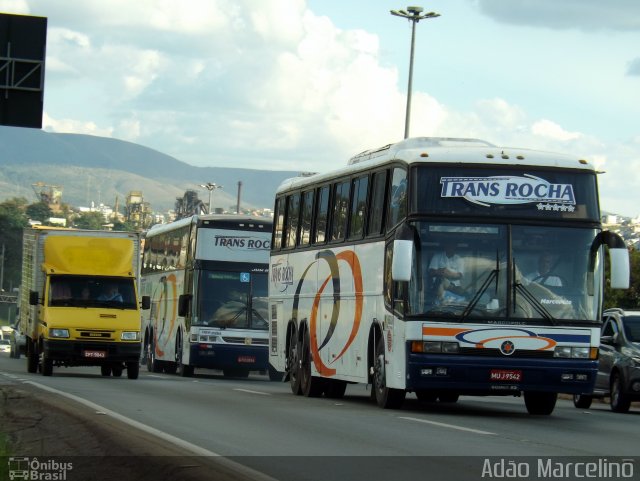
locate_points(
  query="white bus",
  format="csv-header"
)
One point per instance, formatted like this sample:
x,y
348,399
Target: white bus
x,y
412,270
207,279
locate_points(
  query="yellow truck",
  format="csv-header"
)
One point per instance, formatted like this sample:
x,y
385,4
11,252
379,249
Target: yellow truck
x,y
79,302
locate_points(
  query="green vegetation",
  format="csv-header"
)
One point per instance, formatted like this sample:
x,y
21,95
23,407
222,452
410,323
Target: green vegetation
x,y
629,298
15,214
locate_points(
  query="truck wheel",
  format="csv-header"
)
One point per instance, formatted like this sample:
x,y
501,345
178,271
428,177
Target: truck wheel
x,y
117,371
32,357
105,370
133,369
47,365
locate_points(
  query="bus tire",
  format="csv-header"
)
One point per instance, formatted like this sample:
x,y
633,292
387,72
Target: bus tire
x,y
293,361
582,401
275,375
311,386
153,365
32,357
386,397
133,369
183,370
540,403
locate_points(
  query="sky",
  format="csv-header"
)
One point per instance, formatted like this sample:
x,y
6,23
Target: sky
x,y
305,84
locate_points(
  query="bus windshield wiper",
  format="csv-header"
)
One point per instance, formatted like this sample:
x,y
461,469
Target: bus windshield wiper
x,y
493,275
530,298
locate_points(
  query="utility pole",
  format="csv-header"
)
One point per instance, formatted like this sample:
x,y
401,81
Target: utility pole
x,y
2,271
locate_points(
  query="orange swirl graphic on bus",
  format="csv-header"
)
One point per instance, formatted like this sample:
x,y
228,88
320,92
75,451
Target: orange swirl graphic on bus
x,y
334,277
163,309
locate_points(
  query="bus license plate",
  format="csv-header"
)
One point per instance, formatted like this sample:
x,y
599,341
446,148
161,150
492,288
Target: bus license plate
x,y
95,354
505,375
247,359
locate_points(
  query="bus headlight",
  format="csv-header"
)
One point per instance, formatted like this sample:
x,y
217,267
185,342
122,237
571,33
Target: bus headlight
x,y
59,333
130,336
575,352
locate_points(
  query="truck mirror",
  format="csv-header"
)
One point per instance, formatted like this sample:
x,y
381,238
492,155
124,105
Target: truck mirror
x,y
33,298
184,303
146,303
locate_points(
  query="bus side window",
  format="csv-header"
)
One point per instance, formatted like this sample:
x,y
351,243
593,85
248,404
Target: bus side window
x,y
376,211
321,214
278,226
292,220
358,210
339,209
305,220
398,198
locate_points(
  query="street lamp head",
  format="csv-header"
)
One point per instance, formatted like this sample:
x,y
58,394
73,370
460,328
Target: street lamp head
x,y
415,10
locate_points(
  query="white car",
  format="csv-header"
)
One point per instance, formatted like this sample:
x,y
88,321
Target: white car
x,y
5,346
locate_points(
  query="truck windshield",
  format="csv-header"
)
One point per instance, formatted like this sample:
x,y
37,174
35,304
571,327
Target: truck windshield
x,y
501,272
232,300
90,291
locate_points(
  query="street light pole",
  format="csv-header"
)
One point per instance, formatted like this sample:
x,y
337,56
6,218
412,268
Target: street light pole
x,y
414,15
210,186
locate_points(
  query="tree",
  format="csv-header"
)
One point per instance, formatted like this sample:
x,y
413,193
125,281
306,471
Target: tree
x,y
627,298
89,220
39,211
13,220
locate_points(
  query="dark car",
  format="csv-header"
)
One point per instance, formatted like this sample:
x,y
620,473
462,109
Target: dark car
x,y
618,361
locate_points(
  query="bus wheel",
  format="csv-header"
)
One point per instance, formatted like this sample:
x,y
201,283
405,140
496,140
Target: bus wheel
x,y
540,402
582,401
133,369
448,397
427,396
275,375
105,370
311,386
293,362
183,370
153,365
32,357
620,402
386,397
334,388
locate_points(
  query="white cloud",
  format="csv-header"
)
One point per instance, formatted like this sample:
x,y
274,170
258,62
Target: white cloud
x,y
18,7
547,128
74,127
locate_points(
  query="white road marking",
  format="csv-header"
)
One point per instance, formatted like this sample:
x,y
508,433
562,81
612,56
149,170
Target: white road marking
x,y
244,471
253,392
450,426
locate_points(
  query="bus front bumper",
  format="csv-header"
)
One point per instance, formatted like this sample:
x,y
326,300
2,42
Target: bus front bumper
x,y
224,356
482,375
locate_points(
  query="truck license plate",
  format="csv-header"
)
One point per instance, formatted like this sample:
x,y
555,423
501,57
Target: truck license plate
x,y
95,354
508,375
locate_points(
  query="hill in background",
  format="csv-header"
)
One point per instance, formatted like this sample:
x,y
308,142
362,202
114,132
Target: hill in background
x,y
100,169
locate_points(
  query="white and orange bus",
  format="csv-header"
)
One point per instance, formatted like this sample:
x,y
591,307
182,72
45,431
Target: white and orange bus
x,y
207,279
412,270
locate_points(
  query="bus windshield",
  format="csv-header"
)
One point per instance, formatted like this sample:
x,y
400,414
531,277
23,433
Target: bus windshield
x,y
507,273
236,300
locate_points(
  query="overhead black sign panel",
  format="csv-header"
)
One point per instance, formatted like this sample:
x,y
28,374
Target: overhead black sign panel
x,y
23,41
